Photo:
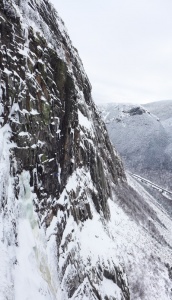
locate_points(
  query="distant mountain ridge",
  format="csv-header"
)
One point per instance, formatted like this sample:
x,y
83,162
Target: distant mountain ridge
x,y
162,109
142,134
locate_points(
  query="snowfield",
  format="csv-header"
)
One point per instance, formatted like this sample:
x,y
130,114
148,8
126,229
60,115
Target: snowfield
x,y
28,267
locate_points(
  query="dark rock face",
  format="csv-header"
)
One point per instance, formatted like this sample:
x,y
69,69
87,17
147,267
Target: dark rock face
x,y
46,99
135,111
42,91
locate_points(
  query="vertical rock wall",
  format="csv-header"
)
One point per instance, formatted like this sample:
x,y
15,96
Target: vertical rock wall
x,y
58,138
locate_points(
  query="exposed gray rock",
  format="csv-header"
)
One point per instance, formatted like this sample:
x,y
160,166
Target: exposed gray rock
x,y
57,132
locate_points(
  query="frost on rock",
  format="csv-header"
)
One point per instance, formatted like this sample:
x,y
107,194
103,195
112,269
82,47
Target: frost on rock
x,y
70,223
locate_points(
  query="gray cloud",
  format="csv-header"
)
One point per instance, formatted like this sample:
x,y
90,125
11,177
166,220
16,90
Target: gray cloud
x,y
125,46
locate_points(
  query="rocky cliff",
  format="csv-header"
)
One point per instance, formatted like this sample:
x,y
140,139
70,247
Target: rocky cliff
x,y
71,226
54,167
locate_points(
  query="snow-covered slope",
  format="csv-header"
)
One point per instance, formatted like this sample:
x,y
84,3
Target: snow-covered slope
x,y
163,109
141,139
71,225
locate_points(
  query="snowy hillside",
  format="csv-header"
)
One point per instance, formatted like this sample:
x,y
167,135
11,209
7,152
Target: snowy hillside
x,y
142,140
73,224
162,109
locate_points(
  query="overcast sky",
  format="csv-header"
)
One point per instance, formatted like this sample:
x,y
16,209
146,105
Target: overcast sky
x,y
125,46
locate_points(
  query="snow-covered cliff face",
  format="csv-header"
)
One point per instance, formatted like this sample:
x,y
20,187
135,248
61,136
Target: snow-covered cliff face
x,y
57,164
71,226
